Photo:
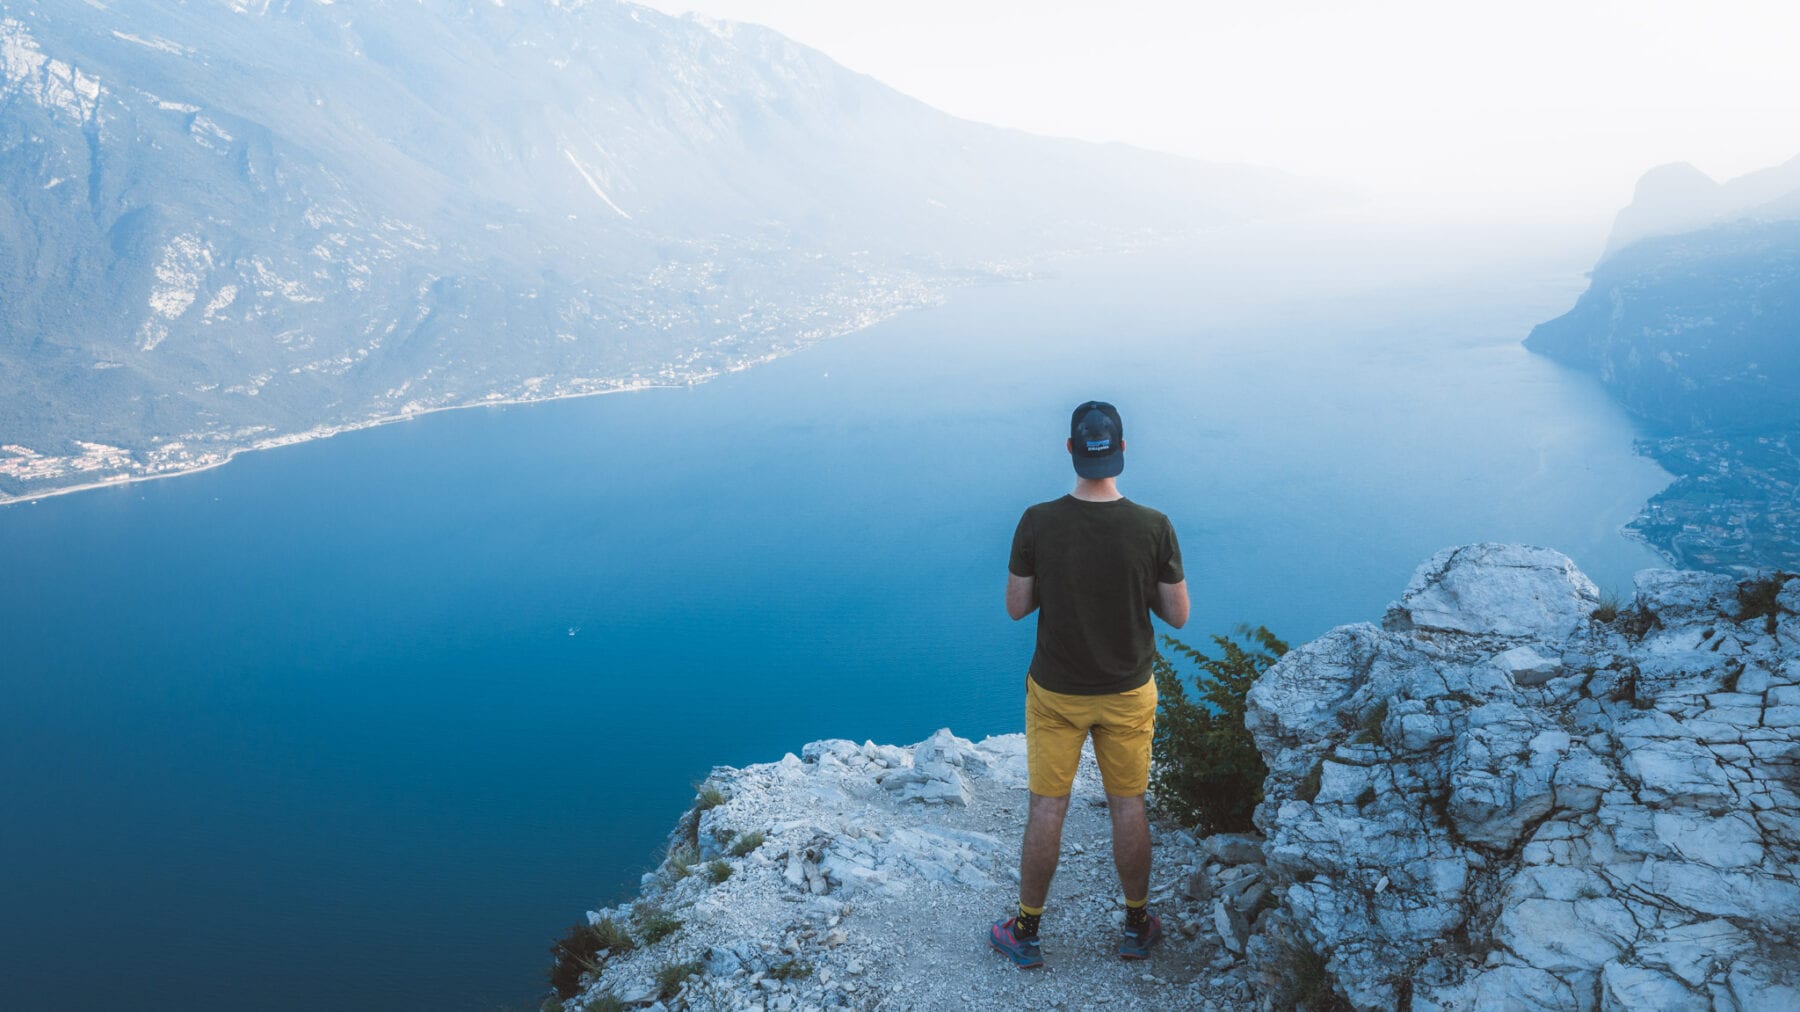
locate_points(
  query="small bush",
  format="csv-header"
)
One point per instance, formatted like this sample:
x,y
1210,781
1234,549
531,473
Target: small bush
x,y
670,977
718,870
793,969
707,795
1609,607
746,843
1371,725
575,953
605,1003
655,924
682,860
1207,772
612,936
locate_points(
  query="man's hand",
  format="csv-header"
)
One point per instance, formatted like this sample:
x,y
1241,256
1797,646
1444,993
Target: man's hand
x,y
1021,596
1170,603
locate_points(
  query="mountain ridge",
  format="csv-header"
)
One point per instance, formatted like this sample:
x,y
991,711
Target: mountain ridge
x,y
225,225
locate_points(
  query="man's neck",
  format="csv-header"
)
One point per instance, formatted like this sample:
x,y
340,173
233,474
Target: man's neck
x,y
1097,489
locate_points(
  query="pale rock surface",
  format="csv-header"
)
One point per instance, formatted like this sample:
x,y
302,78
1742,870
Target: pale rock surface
x,y
1554,813
877,874
1492,800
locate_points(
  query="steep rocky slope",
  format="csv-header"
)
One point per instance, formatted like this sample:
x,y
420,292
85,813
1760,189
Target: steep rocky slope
x,y
231,223
1494,799
1695,332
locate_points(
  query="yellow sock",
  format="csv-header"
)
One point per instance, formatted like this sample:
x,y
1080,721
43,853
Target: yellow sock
x,y
1137,914
1027,924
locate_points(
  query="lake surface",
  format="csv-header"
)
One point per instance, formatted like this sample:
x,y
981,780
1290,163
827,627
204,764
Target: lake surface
x,y
365,723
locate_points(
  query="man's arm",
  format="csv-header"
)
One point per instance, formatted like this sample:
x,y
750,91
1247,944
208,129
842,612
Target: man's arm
x,y
1170,603
1021,595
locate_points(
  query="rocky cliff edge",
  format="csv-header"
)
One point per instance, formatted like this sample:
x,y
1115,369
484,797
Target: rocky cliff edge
x,y
1496,799
1508,794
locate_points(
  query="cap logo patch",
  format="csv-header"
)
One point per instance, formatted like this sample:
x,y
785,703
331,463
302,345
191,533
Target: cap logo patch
x,y
1099,445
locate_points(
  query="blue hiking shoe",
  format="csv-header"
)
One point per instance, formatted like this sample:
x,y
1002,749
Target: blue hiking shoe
x,y
1022,951
1137,943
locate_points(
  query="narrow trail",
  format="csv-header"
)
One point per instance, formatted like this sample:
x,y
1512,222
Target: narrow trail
x,y
885,899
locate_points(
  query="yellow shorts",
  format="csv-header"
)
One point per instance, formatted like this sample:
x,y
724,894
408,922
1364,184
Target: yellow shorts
x,y
1057,723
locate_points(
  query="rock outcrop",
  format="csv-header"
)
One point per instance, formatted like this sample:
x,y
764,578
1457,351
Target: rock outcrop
x,y
859,876
1509,794
1497,799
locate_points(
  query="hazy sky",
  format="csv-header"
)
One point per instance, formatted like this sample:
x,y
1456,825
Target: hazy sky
x,y
1520,104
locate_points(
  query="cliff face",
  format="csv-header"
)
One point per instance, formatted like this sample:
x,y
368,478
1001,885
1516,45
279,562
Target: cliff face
x,y
1692,332
1492,799
1690,323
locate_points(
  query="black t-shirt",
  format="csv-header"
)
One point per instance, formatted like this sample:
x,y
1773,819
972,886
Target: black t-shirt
x,y
1096,566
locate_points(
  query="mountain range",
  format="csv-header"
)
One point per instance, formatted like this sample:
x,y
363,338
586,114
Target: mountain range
x,y
235,223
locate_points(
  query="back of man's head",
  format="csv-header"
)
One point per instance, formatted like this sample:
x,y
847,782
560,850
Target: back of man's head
x,y
1097,440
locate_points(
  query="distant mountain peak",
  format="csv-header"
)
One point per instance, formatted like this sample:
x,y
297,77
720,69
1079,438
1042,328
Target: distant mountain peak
x,y
1677,197
1674,181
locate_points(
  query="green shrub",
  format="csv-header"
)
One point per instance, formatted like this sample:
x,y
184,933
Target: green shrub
x,y
612,936
1609,608
718,870
671,975
746,843
1207,773
655,924
793,969
605,1003
682,860
708,796
575,953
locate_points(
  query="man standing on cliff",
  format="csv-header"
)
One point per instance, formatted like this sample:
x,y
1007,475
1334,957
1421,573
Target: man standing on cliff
x,y
1094,566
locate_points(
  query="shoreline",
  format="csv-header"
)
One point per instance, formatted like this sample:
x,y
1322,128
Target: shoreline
x,y
327,432
1003,273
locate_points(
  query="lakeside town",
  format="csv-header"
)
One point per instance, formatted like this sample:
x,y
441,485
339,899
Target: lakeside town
x,y
28,472
1733,507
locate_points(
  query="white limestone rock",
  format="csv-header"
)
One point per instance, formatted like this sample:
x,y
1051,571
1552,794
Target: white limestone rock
x,y
1232,848
1233,929
1526,666
1503,590
936,772
1566,813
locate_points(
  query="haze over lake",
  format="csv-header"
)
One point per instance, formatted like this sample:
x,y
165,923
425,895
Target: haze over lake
x,y
366,721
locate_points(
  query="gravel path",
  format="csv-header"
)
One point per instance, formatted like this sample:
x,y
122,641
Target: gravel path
x,y
883,900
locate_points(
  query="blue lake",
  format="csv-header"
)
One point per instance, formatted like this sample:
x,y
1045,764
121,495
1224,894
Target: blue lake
x,y
366,722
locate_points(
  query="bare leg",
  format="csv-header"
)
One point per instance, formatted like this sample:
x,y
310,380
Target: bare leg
x,y
1043,845
1131,844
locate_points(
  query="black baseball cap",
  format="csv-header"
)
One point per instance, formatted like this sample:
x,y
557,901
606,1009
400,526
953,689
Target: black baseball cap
x,y
1097,440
